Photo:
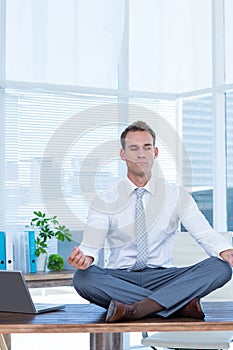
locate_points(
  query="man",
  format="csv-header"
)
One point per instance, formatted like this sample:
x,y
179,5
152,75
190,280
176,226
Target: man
x,y
140,278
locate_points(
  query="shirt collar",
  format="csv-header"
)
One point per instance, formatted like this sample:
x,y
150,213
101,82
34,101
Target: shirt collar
x,y
149,187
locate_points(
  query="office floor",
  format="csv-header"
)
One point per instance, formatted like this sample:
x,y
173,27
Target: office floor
x,y
62,341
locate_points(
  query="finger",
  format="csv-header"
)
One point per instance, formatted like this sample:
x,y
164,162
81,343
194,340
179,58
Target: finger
x,y
73,260
74,253
85,264
78,258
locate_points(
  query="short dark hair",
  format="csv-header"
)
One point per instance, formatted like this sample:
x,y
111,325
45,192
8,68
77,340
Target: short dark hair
x,y
137,126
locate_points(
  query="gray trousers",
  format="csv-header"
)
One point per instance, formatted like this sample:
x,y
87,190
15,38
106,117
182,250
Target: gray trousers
x,y
170,287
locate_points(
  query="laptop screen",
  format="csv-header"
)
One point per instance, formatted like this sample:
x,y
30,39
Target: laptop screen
x,y
14,294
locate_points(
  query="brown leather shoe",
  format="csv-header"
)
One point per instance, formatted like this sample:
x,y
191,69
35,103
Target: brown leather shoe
x,y
192,309
120,312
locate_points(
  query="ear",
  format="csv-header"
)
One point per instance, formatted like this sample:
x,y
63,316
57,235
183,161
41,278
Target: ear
x,y
122,154
156,152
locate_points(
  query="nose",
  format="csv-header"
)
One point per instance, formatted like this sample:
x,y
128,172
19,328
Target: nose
x,y
141,153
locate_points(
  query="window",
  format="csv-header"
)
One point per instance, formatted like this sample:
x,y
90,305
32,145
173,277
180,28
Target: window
x,y
108,63
170,45
61,149
48,136
65,42
198,140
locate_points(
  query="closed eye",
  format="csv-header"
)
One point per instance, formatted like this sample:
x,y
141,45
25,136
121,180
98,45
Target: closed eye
x,y
133,148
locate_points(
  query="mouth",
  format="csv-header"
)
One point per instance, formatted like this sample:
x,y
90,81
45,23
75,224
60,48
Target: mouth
x,y
141,163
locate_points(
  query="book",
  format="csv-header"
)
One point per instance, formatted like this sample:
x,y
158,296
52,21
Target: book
x,y
2,250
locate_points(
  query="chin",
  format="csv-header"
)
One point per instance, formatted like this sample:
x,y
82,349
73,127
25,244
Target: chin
x,y
142,173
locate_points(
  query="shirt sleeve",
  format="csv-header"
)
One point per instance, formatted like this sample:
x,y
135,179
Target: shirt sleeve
x,y
95,230
199,228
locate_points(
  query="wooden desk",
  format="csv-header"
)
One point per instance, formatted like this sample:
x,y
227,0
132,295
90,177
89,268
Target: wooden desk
x,y
49,279
89,318
44,280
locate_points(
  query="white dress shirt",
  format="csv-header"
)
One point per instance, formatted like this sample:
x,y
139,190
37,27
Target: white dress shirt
x,y
111,223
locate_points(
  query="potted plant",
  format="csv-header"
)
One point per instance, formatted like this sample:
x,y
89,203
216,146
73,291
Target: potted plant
x,y
47,228
55,262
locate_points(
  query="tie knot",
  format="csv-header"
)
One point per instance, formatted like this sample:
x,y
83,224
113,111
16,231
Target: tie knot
x,y
140,192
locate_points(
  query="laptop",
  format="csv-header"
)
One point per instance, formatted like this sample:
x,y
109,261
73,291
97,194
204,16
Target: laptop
x,y
15,295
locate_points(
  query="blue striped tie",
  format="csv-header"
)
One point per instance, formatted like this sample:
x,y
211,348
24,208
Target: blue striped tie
x,y
140,224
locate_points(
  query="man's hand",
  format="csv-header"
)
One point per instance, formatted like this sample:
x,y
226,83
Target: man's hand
x,y
79,260
227,255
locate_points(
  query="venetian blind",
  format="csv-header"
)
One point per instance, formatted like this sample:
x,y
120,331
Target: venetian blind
x,y
50,138
61,149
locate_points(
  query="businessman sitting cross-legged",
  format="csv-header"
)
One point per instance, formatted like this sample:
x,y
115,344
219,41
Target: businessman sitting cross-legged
x,y
139,219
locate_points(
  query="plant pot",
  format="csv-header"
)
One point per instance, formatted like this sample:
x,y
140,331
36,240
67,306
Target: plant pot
x,y
41,262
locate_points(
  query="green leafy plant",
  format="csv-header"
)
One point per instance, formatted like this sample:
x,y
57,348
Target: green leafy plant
x,y
55,262
47,228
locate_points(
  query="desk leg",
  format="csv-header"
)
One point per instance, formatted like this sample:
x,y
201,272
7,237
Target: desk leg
x,y
3,344
109,341
8,341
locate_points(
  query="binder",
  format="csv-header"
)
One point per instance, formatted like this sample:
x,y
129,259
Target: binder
x,y
9,251
19,252
22,253
2,250
16,252
30,246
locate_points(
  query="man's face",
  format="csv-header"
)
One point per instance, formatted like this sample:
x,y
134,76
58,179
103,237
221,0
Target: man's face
x,y
139,153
